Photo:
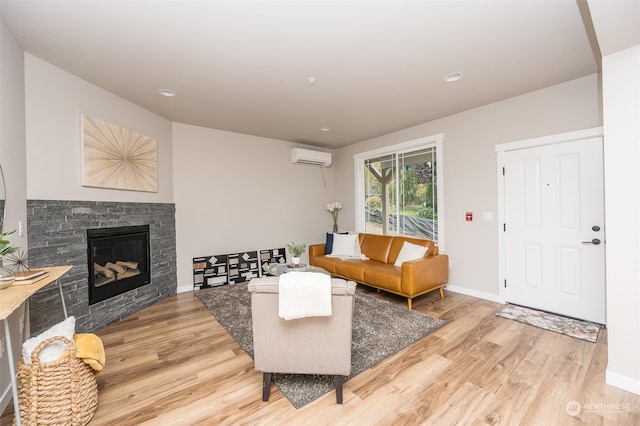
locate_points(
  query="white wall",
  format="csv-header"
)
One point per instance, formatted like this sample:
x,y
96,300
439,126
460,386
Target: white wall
x,y
237,192
12,133
621,96
54,101
12,159
470,179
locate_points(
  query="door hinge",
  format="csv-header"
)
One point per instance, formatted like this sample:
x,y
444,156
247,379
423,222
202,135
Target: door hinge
x,y
504,227
503,171
505,283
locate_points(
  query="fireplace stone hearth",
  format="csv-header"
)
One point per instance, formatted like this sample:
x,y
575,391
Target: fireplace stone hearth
x,y
58,236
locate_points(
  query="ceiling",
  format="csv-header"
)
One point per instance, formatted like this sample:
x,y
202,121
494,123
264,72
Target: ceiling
x,y
242,66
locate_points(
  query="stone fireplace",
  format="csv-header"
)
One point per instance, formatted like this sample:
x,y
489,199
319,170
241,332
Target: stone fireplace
x,y
58,235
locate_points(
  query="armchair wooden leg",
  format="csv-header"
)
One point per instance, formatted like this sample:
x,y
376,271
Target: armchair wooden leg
x,y
266,386
409,302
441,293
339,381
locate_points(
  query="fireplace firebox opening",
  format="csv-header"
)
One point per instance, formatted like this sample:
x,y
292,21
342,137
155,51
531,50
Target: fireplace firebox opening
x,y
118,259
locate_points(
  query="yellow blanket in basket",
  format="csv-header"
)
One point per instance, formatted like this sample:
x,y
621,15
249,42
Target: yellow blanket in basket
x,y
89,347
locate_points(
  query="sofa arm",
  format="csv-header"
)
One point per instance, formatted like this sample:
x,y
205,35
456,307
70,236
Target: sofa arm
x,y
422,275
316,250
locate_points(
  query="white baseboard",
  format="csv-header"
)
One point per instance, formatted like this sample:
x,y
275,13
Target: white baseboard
x,y
475,293
184,289
622,382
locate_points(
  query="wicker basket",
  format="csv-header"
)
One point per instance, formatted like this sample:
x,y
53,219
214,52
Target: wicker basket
x,y
62,392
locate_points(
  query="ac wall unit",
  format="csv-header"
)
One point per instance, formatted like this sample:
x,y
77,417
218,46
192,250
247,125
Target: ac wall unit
x,y
308,156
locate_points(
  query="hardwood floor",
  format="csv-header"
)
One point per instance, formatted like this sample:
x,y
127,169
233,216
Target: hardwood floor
x,y
173,364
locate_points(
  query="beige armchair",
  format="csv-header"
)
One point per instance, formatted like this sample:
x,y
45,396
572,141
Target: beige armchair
x,y
315,345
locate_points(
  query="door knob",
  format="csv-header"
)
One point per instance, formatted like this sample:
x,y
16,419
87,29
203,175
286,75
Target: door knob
x,y
595,241
595,228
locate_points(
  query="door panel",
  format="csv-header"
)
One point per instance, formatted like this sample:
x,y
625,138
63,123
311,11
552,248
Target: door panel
x,y
533,267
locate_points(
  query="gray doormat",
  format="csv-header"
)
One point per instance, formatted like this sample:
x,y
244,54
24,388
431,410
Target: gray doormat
x,y
380,329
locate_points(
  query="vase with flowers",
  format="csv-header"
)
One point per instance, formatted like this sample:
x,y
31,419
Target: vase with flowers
x,y
334,208
296,250
7,277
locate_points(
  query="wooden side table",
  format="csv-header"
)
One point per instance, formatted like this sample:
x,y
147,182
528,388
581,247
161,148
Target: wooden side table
x,y
11,299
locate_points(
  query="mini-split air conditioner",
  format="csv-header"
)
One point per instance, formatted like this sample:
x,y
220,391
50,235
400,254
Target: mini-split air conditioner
x,y
308,156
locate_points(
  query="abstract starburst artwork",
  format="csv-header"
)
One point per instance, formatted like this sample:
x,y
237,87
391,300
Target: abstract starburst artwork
x,y
118,158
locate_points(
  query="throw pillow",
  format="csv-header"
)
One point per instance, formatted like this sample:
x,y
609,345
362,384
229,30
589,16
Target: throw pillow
x,y
328,245
54,350
410,251
346,245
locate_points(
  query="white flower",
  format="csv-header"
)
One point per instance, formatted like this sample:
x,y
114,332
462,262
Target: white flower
x,y
336,205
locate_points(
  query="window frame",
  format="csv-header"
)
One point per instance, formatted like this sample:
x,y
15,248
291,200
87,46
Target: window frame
x,y
402,148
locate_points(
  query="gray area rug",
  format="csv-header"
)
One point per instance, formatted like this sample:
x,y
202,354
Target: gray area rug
x,y
380,329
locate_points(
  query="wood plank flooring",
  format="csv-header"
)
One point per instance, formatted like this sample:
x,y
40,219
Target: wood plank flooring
x,y
173,364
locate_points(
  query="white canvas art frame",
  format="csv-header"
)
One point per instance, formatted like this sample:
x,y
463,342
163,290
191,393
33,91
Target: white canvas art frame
x,y
117,158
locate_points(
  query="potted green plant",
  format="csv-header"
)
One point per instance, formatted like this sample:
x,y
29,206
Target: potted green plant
x,y
6,276
296,250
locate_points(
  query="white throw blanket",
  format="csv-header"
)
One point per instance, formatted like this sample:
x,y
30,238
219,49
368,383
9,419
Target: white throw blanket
x,y
304,294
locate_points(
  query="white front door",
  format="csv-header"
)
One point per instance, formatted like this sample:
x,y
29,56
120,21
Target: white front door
x,y
554,228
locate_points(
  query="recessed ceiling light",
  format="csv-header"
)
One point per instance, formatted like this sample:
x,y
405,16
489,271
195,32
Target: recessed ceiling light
x,y
311,80
325,128
454,76
167,92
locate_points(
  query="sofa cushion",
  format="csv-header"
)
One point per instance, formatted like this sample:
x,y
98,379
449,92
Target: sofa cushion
x,y
384,276
354,269
376,247
328,245
409,252
326,263
346,245
398,242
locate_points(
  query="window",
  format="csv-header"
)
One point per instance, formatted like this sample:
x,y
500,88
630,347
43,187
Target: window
x,y
399,190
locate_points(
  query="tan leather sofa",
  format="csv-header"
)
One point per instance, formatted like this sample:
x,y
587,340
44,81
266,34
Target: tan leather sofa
x,y
412,279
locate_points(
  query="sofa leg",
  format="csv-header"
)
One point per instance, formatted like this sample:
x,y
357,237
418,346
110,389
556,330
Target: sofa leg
x,y
266,386
441,293
339,380
409,302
